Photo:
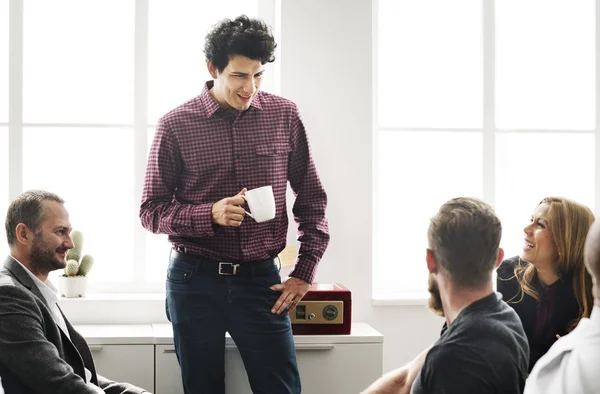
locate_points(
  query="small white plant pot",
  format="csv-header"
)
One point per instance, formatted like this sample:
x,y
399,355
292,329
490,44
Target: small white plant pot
x,y
72,286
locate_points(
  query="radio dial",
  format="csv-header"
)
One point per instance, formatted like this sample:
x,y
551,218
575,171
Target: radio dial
x,y
330,312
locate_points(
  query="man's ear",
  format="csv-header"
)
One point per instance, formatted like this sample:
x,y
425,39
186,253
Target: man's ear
x,y
23,234
500,257
432,265
212,69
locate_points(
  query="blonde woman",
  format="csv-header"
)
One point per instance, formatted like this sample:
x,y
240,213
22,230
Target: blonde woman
x,y
547,284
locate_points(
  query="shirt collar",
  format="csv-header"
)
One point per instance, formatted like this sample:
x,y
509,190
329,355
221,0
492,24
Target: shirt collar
x,y
211,105
486,303
47,289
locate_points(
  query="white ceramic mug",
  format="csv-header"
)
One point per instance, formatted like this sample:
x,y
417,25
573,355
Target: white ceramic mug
x,y
261,203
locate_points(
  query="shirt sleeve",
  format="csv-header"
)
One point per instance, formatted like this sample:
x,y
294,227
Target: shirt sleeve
x,y
574,370
310,205
97,389
160,212
581,370
549,379
454,370
109,387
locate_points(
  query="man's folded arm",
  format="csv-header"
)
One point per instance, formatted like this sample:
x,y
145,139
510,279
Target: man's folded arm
x,y
25,351
399,381
111,387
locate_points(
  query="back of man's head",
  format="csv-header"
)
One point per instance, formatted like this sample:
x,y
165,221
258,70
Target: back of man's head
x,y
27,208
464,237
592,256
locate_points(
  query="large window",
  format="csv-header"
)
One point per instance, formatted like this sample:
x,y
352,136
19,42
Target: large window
x,y
89,80
492,99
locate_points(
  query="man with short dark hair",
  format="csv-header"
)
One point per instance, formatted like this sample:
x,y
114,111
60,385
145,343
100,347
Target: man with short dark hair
x,y
483,348
223,273
40,351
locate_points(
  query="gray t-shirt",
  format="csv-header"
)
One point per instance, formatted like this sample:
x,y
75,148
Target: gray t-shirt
x,y
483,351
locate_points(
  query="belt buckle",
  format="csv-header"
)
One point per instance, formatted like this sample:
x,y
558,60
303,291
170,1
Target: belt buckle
x,y
232,266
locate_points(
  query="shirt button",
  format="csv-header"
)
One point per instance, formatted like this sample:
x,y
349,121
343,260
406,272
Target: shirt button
x,y
238,156
274,150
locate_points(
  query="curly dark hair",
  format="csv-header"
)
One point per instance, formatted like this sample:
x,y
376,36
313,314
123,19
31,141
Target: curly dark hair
x,y
242,36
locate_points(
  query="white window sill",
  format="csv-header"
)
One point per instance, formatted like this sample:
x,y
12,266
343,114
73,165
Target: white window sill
x,y
401,299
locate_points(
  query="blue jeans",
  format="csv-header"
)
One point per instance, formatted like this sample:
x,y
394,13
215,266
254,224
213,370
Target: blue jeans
x,y
203,306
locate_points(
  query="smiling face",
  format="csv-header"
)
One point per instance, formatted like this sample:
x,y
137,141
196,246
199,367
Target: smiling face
x,y
237,84
539,248
52,239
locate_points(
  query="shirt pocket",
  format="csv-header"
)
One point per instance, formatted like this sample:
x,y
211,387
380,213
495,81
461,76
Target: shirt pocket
x,y
281,149
272,161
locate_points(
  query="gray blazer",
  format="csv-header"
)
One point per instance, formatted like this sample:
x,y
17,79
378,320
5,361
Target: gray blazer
x,y
36,357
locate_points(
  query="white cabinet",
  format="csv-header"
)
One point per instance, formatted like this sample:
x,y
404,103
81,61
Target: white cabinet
x,y
123,353
328,363
144,355
126,363
343,369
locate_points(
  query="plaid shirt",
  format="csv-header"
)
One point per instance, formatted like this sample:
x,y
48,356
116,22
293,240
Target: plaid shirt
x,y
202,153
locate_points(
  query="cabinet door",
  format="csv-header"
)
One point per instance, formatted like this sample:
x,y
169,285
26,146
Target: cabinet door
x,y
168,373
126,363
339,368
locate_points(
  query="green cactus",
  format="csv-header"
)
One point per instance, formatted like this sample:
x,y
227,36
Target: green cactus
x,y
75,253
76,264
71,268
87,262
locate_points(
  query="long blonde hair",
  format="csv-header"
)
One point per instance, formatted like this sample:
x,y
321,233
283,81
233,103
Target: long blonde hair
x,y
569,223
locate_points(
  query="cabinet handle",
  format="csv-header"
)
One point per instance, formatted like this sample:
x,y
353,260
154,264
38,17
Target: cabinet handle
x,y
315,346
300,346
95,348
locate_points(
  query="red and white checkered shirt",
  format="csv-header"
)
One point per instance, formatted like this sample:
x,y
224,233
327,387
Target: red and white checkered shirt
x,y
202,153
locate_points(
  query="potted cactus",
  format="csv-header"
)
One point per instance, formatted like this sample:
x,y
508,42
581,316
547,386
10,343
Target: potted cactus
x,y
73,283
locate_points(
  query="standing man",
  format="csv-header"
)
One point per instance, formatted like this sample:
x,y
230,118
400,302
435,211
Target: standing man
x,y
223,273
571,364
483,348
40,351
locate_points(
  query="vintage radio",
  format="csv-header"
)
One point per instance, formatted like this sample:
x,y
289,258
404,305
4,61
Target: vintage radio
x,y
326,309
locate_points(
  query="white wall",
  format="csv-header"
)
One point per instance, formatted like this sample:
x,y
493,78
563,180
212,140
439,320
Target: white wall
x,y
326,69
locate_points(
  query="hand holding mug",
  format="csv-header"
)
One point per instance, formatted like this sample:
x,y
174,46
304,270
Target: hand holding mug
x,y
228,211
